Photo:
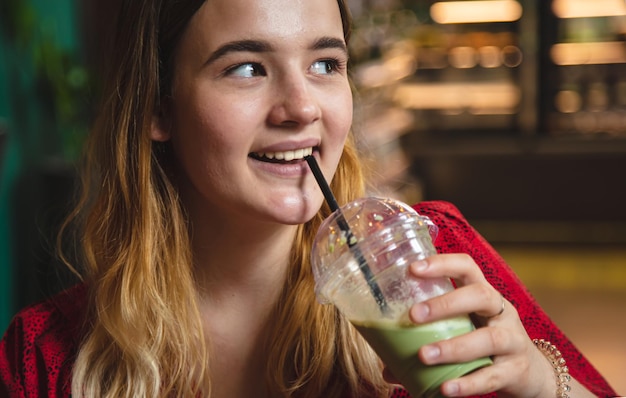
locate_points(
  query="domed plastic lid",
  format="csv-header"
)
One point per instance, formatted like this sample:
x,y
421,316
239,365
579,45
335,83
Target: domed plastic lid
x,y
342,233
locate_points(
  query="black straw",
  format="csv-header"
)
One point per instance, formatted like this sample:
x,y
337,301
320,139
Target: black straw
x,y
343,225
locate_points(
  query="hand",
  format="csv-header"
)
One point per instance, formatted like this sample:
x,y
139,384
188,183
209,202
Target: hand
x,y
519,369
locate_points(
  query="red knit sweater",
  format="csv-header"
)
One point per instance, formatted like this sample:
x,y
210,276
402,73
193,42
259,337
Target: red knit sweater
x,y
38,349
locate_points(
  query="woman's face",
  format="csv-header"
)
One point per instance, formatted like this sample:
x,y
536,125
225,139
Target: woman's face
x,y
258,84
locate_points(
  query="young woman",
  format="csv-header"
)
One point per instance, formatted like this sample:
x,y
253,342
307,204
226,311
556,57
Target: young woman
x,y
197,217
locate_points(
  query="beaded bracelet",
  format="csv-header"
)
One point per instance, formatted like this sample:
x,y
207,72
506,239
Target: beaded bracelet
x,y
558,363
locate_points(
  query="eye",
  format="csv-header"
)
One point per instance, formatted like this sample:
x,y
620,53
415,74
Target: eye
x,y
250,69
325,67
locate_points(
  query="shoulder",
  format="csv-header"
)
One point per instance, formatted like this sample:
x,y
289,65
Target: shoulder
x,y
440,212
44,317
456,235
455,232
437,207
37,350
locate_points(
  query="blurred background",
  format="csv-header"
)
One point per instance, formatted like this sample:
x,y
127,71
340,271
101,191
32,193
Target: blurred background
x,y
515,111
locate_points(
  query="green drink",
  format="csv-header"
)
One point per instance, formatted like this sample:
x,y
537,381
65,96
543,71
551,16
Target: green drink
x,y
360,259
397,346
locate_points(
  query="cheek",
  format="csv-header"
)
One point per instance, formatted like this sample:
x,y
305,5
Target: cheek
x,y
229,118
341,109
197,144
199,125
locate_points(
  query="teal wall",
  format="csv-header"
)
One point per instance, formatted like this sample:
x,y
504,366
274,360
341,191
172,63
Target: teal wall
x,y
9,163
41,81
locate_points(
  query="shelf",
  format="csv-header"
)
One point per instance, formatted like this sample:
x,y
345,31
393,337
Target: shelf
x,y
422,145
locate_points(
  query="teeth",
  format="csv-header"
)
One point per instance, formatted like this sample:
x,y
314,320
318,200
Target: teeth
x,y
287,155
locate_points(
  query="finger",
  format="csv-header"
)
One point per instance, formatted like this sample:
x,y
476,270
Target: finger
x,y
479,298
502,376
503,304
458,266
484,342
480,382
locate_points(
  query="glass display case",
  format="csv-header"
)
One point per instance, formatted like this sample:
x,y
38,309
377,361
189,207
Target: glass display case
x,y
495,104
462,66
584,67
496,66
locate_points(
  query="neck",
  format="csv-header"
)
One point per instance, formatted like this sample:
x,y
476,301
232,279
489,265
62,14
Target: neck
x,y
246,257
241,272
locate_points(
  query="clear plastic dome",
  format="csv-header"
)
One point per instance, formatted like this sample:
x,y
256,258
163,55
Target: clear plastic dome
x,y
355,247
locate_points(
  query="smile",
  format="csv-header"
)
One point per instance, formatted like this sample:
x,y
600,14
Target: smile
x,y
280,157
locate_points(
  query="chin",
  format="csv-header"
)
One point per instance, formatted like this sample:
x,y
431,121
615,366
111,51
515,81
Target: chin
x,y
294,212
295,219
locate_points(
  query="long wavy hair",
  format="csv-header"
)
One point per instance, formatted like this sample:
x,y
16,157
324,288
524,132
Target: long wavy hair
x,y
143,335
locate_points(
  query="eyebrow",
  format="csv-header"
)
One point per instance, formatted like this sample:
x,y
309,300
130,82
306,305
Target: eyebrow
x,y
254,46
329,42
258,46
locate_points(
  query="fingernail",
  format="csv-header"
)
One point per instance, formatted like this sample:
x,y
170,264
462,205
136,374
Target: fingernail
x,y
420,266
420,312
430,352
451,389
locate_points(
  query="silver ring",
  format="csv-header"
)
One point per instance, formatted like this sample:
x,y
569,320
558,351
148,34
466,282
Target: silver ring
x,y
501,308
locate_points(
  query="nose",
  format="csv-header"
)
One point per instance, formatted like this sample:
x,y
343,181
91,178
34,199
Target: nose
x,y
295,103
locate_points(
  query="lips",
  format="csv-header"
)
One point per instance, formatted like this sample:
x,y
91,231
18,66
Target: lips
x,y
282,156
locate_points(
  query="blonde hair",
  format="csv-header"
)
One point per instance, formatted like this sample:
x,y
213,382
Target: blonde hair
x,y
322,353
143,334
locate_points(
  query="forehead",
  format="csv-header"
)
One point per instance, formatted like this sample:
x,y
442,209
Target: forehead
x,y
219,21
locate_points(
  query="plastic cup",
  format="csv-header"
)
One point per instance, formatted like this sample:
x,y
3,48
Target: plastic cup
x,y
360,260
